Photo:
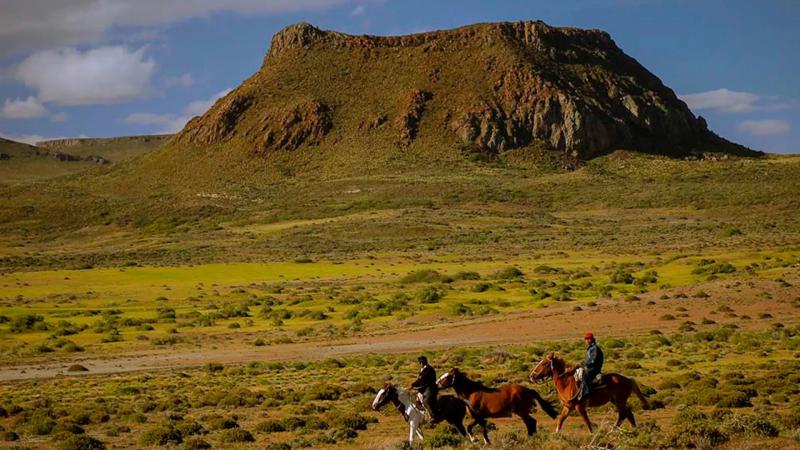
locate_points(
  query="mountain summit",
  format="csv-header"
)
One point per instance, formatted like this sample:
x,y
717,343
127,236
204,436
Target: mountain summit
x,y
484,88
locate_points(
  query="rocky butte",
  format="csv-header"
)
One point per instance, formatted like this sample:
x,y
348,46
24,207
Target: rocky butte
x,y
483,88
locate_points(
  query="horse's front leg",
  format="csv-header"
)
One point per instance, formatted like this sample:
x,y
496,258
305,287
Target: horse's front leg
x,y
565,410
411,431
582,411
484,427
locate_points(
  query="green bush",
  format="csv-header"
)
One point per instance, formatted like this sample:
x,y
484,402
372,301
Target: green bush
x,y
749,425
270,426
621,276
162,434
196,444
40,424
236,435
442,436
422,276
28,322
81,442
9,436
694,429
508,273
430,294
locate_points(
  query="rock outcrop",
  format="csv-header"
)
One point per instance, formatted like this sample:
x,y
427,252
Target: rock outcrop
x,y
488,87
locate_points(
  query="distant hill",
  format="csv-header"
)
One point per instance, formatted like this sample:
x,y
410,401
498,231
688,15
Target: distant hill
x,y
113,150
20,163
477,91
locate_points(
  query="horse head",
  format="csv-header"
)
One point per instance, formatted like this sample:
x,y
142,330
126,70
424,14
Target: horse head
x,y
384,396
544,369
449,378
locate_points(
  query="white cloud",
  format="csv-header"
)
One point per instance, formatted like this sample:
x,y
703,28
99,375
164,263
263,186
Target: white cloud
x,y
722,100
29,108
148,119
59,117
201,106
98,76
766,127
183,80
32,139
173,123
37,24
359,10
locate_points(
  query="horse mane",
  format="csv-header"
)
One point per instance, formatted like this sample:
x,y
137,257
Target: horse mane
x,y
560,364
475,385
404,396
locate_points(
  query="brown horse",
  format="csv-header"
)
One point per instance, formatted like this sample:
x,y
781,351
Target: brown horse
x,y
615,389
485,402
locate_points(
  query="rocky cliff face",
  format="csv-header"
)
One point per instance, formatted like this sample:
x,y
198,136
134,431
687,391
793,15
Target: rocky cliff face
x,y
487,87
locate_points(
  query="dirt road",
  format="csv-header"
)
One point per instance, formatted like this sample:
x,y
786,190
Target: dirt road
x,y
608,318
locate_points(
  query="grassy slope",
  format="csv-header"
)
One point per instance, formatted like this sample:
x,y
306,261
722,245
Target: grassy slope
x,y
26,166
620,203
115,149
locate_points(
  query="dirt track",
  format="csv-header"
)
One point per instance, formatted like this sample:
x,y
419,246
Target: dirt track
x,y
609,318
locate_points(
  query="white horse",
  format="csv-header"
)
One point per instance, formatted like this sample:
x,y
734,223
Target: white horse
x,y
453,409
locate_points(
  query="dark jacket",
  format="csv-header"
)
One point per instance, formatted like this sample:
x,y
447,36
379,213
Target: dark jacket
x,y
426,378
594,358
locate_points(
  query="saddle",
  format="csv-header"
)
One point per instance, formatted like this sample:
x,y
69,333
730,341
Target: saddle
x,y
596,382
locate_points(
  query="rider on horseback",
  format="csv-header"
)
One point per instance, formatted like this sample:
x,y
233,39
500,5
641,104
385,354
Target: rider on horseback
x,y
592,366
426,384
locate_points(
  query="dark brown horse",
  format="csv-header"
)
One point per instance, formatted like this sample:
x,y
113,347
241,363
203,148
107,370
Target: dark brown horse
x,y
615,389
485,402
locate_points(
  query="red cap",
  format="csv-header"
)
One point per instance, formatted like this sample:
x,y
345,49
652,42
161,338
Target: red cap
x,y
588,336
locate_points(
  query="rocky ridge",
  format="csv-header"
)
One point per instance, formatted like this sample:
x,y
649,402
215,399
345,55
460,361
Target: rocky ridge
x,y
486,87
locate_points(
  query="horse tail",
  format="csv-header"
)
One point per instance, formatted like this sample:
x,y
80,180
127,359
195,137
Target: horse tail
x,y
638,392
546,405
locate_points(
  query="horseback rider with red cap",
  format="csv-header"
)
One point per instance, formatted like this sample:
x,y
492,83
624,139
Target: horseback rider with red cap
x,y
592,366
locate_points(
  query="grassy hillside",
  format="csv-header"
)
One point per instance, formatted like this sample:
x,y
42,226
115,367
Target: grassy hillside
x,y
248,209
114,150
25,163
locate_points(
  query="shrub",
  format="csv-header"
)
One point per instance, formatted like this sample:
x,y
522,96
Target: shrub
x,y
430,294
353,421
196,444
270,426
422,276
481,287
69,427
28,322
749,425
621,276
81,442
10,436
508,273
162,434
443,436
693,428
217,422
214,367
323,392
467,276
236,435
40,424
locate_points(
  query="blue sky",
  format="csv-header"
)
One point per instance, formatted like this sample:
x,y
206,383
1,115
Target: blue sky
x,y
120,67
